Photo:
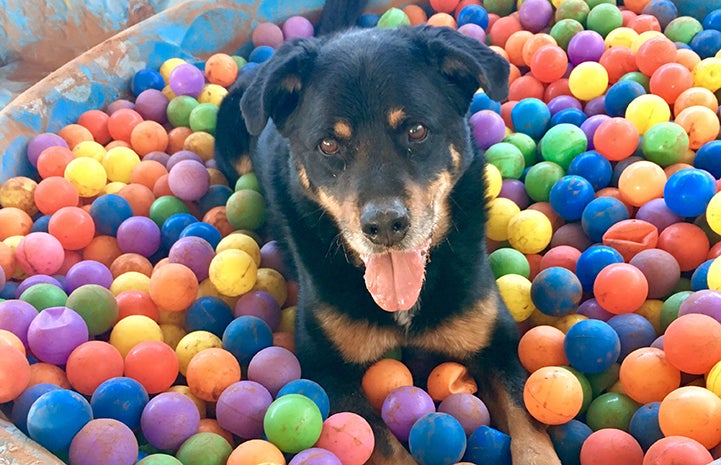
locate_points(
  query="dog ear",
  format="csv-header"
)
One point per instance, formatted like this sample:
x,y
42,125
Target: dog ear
x,y
275,91
466,62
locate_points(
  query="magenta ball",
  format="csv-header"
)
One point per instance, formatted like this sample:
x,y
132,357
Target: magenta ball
x,y
705,301
274,367
168,419
585,46
403,406
315,456
194,252
469,410
297,27
189,180
267,34
260,304
535,15
87,272
186,79
138,234
488,128
16,316
40,253
152,105
55,332
40,142
241,408
104,440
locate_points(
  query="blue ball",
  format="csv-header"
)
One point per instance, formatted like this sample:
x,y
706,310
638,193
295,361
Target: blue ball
x,y
437,439
121,399
474,14
712,20
146,79
556,291
594,167
592,261
311,390
246,336
699,278
217,196
591,346
481,101
570,116
644,425
22,404
634,332
173,226
619,95
203,230
488,445
532,117
568,439
367,20
664,10
706,43
56,417
708,157
600,214
108,211
570,195
210,314
41,224
261,53
687,192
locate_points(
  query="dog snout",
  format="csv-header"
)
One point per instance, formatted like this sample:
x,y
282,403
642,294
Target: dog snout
x,y
385,223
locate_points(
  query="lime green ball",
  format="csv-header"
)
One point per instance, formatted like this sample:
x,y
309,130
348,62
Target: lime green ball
x,y
572,9
525,144
179,109
293,422
594,3
507,158
204,117
562,143
564,30
683,29
665,143
204,448
604,18
164,207
44,295
393,17
247,181
239,61
96,305
507,260
540,179
245,209
159,459
670,307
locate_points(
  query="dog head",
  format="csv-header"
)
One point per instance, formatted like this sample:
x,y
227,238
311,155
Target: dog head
x,y
376,124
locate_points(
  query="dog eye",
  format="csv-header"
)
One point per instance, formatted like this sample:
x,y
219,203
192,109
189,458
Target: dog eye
x,y
329,146
417,132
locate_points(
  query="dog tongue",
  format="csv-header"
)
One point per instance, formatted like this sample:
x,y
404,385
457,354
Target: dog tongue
x,y
394,278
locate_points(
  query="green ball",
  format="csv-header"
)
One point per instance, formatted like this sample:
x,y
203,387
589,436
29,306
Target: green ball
x,y
164,207
585,386
670,307
526,145
97,306
245,209
247,181
604,380
562,143
683,29
572,9
665,143
44,295
293,422
239,61
499,7
540,179
637,76
507,158
604,18
508,260
594,3
203,118
564,30
611,410
393,17
179,109
204,449
159,459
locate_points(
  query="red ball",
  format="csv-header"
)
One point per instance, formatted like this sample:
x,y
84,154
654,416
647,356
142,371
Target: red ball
x,y
677,449
620,288
549,63
153,364
610,446
73,227
91,363
444,6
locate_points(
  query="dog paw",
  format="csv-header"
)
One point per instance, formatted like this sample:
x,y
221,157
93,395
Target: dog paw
x,y
394,454
539,453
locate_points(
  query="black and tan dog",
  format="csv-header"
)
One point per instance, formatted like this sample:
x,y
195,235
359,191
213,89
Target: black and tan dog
x,y
377,194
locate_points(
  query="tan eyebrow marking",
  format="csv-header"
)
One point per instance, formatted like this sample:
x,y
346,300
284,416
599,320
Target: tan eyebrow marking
x,y
395,117
343,130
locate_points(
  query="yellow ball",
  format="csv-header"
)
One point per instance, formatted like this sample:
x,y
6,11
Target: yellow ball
x,y
713,213
516,294
119,163
212,93
172,334
707,74
651,310
168,92
713,379
714,274
530,231
647,110
500,212
240,241
185,390
565,322
130,280
192,343
19,192
87,175
168,66
207,289
287,319
113,187
588,80
644,37
90,149
494,181
171,318
134,329
272,282
621,37
201,143
233,272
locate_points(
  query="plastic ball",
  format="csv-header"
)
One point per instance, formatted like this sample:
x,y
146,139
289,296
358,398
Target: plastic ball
x,y
311,390
186,79
686,242
616,138
403,406
531,117
516,294
592,346
293,422
139,226
611,410
568,438
434,429
104,440
665,143
549,63
92,363
233,272
688,192
14,373
661,270
507,158
608,446
132,330
488,445
647,110
56,417
691,343
693,412
586,46
641,182
620,288
677,448
570,195
173,287
700,123
120,398
487,127
256,451
245,336
55,332
168,419
39,253
383,377
556,291
588,80
647,376
273,367
96,305
315,456
529,231
153,364
553,395
241,407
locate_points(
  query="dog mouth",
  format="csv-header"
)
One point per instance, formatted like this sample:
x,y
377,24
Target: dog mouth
x,y
394,277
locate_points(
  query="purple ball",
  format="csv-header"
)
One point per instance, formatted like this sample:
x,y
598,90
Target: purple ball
x,y
168,419
160,157
515,190
315,456
260,304
706,302
658,214
187,79
241,409
590,125
274,367
16,316
194,252
55,332
119,105
297,27
596,106
468,409
272,257
535,15
36,279
661,270
104,440
563,102
585,46
181,155
138,234
488,128
40,143
188,180
87,272
474,31
593,310
403,406
152,104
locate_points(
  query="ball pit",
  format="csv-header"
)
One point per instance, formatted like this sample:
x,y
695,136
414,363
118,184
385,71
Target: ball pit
x,y
612,124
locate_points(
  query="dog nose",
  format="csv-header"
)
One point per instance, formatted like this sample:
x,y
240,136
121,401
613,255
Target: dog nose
x,y
385,223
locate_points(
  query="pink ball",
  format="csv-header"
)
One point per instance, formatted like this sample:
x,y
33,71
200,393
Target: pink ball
x,y
55,332
348,436
610,446
469,410
267,34
189,180
297,27
274,367
40,253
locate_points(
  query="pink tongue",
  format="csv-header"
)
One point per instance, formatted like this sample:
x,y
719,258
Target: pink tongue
x,y
394,279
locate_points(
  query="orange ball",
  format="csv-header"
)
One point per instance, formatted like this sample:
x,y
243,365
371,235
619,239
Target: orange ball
x,y
131,262
553,395
616,138
173,287
176,139
687,242
565,256
692,343
620,288
91,363
502,28
103,249
14,222
677,449
450,378
669,80
54,193
136,302
687,58
693,96
549,63
526,86
643,23
693,412
53,160
147,173
444,6
210,371
542,346
416,14
153,364
73,134
535,42
654,53
211,425
14,373
43,372
256,452
636,6
630,237
618,60
73,227
646,375
640,182
121,123
382,377
148,136
221,69
8,338
700,123
514,46
442,20
556,88
139,196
